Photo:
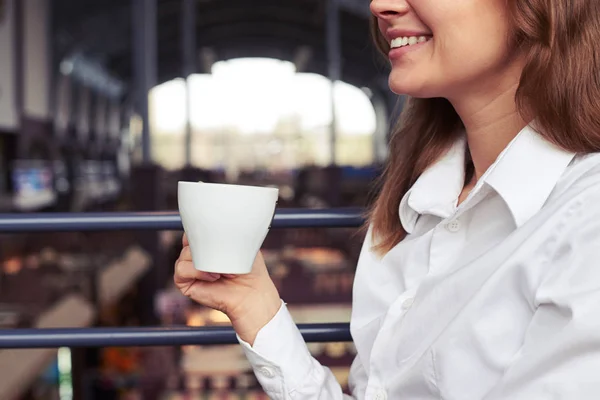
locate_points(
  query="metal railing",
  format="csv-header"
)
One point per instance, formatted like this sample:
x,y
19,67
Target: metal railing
x,y
155,336
62,222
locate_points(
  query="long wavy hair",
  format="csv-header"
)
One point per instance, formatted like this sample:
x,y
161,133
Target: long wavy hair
x,y
559,87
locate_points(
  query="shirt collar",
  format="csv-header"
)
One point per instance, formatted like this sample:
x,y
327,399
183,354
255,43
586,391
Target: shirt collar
x,y
526,172
524,175
436,191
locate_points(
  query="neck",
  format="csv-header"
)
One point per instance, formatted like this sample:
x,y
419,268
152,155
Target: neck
x,y
491,122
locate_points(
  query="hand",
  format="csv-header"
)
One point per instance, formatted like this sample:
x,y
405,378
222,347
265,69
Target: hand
x,y
250,301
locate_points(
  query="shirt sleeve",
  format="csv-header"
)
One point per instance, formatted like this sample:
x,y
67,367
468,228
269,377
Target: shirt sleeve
x,y
285,368
560,357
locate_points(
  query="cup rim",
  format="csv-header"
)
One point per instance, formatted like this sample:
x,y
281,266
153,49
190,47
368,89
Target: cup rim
x,y
228,185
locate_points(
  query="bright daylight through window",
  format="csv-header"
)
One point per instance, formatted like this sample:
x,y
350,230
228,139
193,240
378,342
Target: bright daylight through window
x,y
260,113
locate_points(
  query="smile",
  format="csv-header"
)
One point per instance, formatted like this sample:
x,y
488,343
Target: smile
x,y
408,41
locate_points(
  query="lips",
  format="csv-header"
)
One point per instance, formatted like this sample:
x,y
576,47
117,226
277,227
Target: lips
x,y
408,41
396,33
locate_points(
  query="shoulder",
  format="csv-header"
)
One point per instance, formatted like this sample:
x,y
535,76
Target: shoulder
x,y
579,186
567,229
581,176
572,207
576,201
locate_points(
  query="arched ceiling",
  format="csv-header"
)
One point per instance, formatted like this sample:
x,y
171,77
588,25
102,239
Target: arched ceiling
x,y
291,30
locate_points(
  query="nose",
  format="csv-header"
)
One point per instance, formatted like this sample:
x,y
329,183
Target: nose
x,y
388,9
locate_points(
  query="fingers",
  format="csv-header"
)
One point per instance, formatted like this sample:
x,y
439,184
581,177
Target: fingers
x,y
185,272
209,276
201,287
207,294
186,254
184,240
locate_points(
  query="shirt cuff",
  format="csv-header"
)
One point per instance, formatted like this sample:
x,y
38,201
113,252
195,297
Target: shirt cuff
x,y
280,358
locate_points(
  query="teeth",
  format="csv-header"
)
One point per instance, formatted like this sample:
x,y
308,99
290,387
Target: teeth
x,y
407,41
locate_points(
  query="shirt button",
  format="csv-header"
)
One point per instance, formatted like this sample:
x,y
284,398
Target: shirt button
x,y
453,226
406,304
381,395
266,371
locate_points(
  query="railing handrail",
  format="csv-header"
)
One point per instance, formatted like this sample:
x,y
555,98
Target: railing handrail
x,y
158,336
151,336
167,220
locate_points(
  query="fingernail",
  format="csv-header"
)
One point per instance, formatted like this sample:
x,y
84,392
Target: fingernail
x,y
215,276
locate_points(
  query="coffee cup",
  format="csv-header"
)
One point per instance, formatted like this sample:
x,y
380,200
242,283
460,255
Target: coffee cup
x,y
225,224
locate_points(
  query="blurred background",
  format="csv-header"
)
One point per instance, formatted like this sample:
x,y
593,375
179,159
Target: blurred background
x,y
106,104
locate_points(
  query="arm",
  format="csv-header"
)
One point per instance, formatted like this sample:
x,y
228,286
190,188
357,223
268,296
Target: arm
x,y
560,357
286,370
265,329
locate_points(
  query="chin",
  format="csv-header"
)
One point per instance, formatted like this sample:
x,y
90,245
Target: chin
x,y
407,87
406,90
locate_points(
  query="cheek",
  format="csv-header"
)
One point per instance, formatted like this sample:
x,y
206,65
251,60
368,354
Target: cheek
x,y
467,48
471,52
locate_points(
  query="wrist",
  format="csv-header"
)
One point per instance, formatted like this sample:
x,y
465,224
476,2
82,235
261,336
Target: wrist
x,y
256,312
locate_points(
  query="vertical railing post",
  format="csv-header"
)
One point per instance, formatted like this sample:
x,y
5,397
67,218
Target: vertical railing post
x,y
145,64
78,367
334,61
188,47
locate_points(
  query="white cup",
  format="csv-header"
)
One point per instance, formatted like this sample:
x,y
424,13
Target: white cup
x,y
225,224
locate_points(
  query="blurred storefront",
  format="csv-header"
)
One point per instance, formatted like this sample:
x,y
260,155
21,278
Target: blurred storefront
x,y
75,137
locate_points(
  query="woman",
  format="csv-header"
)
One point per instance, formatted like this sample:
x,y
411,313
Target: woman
x,y
478,276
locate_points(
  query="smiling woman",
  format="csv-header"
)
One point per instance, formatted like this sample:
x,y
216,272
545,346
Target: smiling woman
x,y
478,277
256,101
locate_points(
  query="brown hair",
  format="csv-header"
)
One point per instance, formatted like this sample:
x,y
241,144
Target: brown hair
x,y
559,87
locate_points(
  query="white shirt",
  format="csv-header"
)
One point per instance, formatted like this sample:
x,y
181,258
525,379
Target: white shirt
x,y
498,298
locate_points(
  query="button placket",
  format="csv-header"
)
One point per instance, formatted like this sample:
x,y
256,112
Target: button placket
x,y
406,304
447,243
453,226
380,351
